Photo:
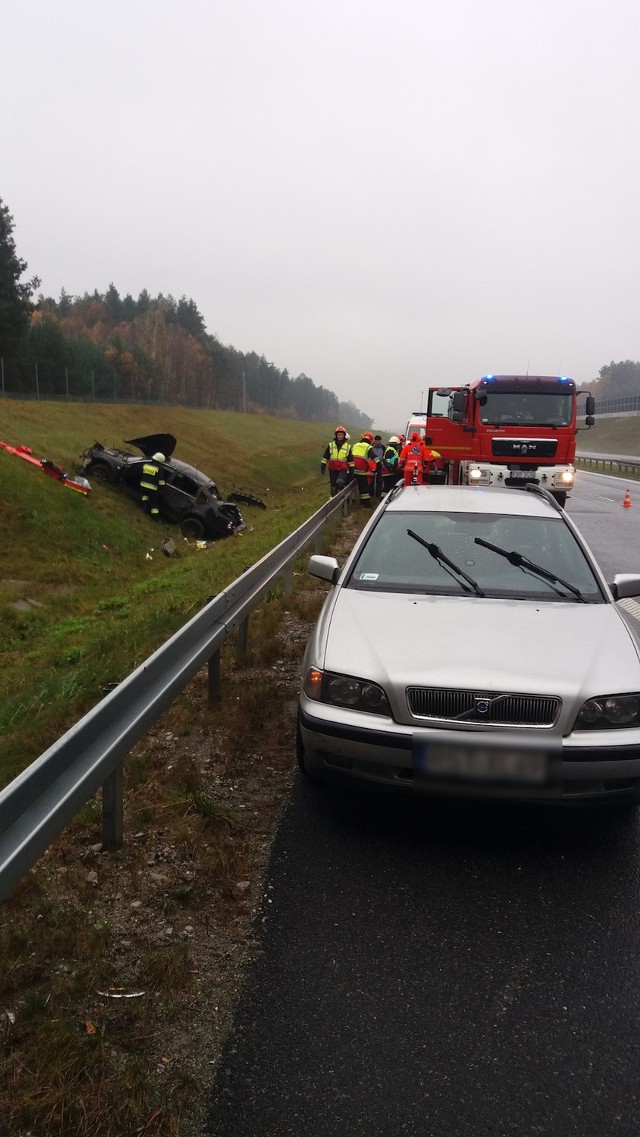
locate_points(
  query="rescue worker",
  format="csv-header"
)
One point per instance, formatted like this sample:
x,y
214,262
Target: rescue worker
x,y
376,473
363,456
338,459
151,483
390,472
415,460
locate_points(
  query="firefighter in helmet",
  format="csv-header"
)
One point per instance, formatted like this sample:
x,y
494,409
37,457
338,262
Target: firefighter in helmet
x,y
390,473
338,460
365,460
152,483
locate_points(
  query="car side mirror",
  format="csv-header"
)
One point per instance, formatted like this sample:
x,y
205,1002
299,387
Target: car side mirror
x,y
625,584
325,568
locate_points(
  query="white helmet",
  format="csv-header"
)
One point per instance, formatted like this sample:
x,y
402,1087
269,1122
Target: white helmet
x,y
394,438
158,457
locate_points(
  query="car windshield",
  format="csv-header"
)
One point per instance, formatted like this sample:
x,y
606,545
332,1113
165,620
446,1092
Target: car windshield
x,y
394,560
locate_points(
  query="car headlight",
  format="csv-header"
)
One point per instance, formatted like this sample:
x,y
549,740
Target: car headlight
x,y
609,710
345,691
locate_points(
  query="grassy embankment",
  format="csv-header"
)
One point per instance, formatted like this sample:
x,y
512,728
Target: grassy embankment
x,y
81,603
612,436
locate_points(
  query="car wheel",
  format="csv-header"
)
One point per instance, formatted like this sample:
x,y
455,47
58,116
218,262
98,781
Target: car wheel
x,y
193,528
561,498
100,472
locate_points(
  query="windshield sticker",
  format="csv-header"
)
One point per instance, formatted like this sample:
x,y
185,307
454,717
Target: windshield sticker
x,y
369,576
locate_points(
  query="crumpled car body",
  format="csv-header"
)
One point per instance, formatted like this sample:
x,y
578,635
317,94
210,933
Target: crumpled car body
x,y
189,498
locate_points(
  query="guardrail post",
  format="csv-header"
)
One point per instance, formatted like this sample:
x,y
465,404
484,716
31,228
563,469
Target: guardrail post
x,y
113,809
288,581
214,687
243,634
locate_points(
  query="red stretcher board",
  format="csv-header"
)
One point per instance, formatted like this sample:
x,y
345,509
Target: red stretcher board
x,y
49,468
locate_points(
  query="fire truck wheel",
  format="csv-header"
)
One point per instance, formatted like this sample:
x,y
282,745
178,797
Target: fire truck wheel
x,y
561,498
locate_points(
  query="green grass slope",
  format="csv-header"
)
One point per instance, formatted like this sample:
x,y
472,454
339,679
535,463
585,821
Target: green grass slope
x,y
85,593
611,436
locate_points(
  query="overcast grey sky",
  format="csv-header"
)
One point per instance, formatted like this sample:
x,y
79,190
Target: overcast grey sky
x,y
382,195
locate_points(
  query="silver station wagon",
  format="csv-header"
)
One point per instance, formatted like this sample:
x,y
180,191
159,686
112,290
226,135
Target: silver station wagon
x,y
471,645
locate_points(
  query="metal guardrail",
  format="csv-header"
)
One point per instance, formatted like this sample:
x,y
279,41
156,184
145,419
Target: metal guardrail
x,y
36,806
622,462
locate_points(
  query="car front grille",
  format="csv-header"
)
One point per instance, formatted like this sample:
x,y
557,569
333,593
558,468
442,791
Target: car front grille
x,y
502,709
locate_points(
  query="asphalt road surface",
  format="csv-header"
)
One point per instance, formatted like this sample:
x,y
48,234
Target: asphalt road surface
x,y
447,969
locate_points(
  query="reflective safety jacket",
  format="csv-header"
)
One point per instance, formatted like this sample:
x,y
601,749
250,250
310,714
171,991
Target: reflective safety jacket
x,y
364,457
152,477
390,460
338,457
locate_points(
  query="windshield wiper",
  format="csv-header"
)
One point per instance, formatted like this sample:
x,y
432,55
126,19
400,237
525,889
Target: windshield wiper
x,y
524,563
439,556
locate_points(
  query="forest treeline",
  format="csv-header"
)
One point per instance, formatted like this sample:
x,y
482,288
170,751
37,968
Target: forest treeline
x,y
106,347
617,381
158,349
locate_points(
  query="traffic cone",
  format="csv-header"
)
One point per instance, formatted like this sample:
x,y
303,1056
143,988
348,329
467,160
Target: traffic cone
x,y
627,500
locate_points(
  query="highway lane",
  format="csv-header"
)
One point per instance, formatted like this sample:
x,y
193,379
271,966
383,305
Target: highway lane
x,y
612,531
446,969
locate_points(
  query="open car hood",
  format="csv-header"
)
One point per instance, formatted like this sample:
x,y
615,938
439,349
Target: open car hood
x,y
151,444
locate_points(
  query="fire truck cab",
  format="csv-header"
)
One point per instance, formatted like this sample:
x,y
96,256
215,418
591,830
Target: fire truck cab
x,y
507,430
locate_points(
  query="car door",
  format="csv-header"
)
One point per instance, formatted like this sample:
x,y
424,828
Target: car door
x,y
178,495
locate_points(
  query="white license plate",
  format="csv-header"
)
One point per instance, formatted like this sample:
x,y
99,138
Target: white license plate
x,y
522,474
481,763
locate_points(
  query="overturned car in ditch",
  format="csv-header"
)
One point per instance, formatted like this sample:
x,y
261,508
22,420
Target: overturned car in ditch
x,y
188,498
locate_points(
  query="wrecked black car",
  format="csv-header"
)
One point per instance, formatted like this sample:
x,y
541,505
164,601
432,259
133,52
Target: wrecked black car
x,y
189,498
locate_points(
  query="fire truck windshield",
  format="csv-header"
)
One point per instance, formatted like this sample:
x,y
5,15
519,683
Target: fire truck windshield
x,y
520,408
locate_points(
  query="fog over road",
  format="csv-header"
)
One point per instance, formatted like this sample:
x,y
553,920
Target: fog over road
x,y
447,969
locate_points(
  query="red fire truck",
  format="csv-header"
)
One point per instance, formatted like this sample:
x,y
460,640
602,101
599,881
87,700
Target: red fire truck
x,y
506,430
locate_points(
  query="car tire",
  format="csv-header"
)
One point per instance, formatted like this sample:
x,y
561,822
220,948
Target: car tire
x,y
192,528
100,472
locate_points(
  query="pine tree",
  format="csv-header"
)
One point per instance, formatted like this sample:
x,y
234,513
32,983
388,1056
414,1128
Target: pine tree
x,y
15,296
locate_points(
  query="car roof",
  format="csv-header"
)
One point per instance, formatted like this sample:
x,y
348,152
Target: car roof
x,y
192,471
470,499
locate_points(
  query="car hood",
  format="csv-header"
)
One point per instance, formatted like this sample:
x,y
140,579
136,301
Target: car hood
x,y
151,444
574,651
